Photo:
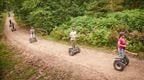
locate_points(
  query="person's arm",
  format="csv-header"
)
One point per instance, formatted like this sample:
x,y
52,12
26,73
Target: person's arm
x,y
75,34
70,34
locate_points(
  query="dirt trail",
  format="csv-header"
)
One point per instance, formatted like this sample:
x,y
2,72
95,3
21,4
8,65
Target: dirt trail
x,y
91,64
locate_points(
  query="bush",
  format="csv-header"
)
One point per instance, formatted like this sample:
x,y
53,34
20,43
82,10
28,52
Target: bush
x,y
135,47
46,14
86,34
1,26
133,18
57,33
103,31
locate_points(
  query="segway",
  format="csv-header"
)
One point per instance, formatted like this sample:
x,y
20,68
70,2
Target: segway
x,y
32,39
120,63
73,51
13,29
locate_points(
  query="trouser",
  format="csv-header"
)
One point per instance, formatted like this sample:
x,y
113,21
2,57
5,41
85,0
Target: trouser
x,y
121,53
32,35
10,25
73,43
13,26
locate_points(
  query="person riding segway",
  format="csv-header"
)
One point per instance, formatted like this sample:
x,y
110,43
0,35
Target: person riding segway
x,y
11,24
75,49
32,35
121,62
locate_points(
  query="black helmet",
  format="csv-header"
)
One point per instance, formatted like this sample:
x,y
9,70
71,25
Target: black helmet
x,y
121,34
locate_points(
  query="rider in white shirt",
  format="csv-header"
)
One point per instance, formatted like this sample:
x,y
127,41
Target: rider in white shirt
x,y
32,32
73,36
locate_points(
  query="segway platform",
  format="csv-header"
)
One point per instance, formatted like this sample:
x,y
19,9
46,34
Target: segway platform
x,y
120,63
73,51
13,29
31,40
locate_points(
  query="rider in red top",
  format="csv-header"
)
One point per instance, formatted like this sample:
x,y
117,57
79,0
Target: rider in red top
x,y
121,44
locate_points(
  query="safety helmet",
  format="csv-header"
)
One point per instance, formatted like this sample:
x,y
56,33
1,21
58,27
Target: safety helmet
x,y
122,34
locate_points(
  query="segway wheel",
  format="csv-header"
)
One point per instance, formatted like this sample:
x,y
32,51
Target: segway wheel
x,y
78,50
35,39
12,30
126,60
15,29
10,25
118,65
71,52
30,40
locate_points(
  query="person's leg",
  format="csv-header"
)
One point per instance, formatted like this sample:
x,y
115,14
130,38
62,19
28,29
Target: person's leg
x,y
34,36
13,25
121,53
72,43
31,35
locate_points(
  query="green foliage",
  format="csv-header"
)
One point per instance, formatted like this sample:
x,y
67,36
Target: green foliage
x,y
2,16
103,31
105,5
5,60
48,14
98,22
57,33
3,4
131,4
133,18
0,27
88,28
98,6
138,46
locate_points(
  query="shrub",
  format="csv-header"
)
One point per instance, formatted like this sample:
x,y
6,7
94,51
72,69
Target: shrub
x,y
57,33
104,31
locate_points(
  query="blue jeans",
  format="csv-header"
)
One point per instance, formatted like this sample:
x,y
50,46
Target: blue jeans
x,y
121,53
